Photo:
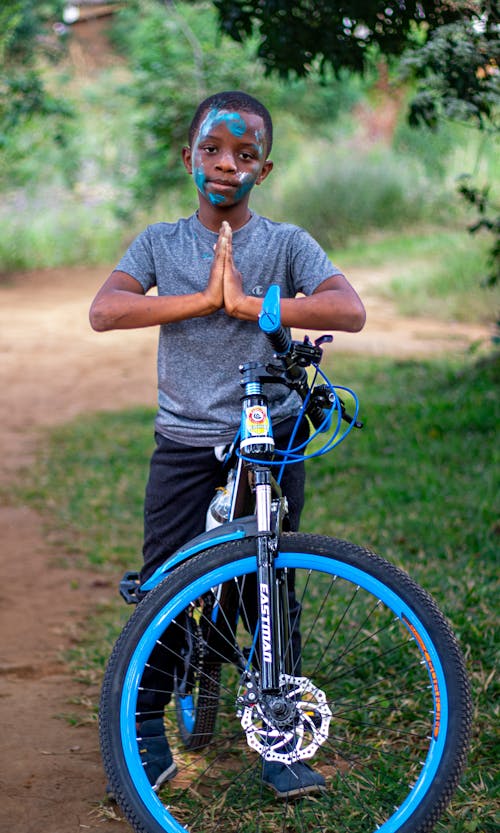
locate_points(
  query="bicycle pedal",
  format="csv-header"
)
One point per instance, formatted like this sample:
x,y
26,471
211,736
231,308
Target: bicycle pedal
x,y
129,585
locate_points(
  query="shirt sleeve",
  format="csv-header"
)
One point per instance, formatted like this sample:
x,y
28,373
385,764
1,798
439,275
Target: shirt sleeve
x,y
309,264
138,261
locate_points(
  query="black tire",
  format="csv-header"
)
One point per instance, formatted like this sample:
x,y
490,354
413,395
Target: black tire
x,y
390,669
196,688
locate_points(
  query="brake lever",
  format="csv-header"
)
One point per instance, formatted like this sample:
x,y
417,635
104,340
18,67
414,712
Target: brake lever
x,y
325,339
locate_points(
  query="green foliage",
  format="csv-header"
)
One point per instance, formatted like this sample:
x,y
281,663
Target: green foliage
x,y
458,78
335,193
178,57
430,148
448,289
435,274
55,229
25,39
457,72
23,28
293,38
489,220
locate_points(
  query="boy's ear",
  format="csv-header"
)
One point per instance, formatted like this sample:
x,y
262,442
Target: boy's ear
x,y
266,170
186,158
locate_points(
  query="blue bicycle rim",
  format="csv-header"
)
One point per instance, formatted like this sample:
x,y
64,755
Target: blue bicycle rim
x,y
296,560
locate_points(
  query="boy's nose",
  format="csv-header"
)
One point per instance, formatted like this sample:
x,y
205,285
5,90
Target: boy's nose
x,y
226,161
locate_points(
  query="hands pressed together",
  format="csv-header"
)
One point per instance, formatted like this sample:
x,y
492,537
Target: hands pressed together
x,y
121,303
225,287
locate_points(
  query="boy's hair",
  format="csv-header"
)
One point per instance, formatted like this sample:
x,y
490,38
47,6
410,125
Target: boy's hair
x,y
237,101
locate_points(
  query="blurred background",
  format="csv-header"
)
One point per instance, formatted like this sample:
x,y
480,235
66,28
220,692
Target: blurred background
x,y
386,149
386,138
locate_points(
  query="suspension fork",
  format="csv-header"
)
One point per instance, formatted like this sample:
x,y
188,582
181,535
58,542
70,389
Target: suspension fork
x,y
257,442
267,587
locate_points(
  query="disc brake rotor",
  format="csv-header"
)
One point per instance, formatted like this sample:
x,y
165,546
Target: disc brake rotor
x,y
295,736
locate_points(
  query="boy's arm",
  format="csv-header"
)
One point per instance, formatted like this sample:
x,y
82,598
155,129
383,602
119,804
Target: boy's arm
x,y
122,304
334,305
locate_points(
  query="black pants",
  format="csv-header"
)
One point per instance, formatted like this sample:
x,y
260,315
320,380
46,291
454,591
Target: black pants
x,y
182,482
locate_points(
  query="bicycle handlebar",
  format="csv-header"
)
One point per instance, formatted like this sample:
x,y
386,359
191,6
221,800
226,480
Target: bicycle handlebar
x,y
270,322
295,357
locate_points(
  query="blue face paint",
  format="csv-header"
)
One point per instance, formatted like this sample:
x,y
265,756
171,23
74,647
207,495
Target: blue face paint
x,y
236,125
247,183
199,178
216,199
260,137
234,122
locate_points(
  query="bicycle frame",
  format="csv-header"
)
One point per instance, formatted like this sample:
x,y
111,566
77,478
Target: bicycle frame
x,y
255,452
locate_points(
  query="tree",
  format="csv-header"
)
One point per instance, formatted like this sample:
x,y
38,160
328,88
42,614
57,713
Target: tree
x,y
458,78
451,49
457,72
23,95
23,39
294,37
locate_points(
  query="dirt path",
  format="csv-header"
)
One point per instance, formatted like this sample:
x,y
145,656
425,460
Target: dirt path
x,y
53,367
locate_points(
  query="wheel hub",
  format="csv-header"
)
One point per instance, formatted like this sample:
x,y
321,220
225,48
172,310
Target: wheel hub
x,y
288,727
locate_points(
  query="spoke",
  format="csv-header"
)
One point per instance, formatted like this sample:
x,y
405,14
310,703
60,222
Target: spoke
x,y
355,668
362,688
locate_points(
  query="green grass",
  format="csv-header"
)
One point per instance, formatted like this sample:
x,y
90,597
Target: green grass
x,y
419,484
437,272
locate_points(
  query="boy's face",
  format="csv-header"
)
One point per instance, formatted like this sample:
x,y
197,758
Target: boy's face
x,y
228,156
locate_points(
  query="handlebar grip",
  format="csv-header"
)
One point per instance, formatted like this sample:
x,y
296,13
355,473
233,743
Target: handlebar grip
x,y
280,341
270,321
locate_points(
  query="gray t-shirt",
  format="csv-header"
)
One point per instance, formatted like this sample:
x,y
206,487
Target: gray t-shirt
x,y
198,379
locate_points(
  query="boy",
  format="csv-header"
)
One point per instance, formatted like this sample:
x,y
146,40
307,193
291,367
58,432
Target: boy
x,y
212,271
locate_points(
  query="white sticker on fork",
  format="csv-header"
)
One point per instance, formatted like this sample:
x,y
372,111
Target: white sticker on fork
x,y
265,623
257,421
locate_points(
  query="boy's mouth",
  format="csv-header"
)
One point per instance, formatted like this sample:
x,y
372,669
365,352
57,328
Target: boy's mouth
x,y
223,183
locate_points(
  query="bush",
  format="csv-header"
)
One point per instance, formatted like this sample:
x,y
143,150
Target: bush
x,y
335,192
56,228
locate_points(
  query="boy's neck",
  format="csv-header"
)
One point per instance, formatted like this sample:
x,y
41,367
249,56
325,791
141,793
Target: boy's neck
x,y
212,217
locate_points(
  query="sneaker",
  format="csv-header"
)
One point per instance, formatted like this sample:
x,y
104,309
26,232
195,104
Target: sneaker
x,y
155,753
292,781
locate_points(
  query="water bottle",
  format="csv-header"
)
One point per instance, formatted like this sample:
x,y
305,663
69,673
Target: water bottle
x,y
220,505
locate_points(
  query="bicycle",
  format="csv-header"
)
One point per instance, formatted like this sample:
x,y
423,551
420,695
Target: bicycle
x,y
374,694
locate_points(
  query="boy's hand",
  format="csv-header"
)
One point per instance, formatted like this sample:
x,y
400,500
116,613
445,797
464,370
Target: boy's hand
x,y
214,292
234,296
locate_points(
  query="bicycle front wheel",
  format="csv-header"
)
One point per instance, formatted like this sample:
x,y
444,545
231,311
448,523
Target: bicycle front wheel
x,y
380,708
